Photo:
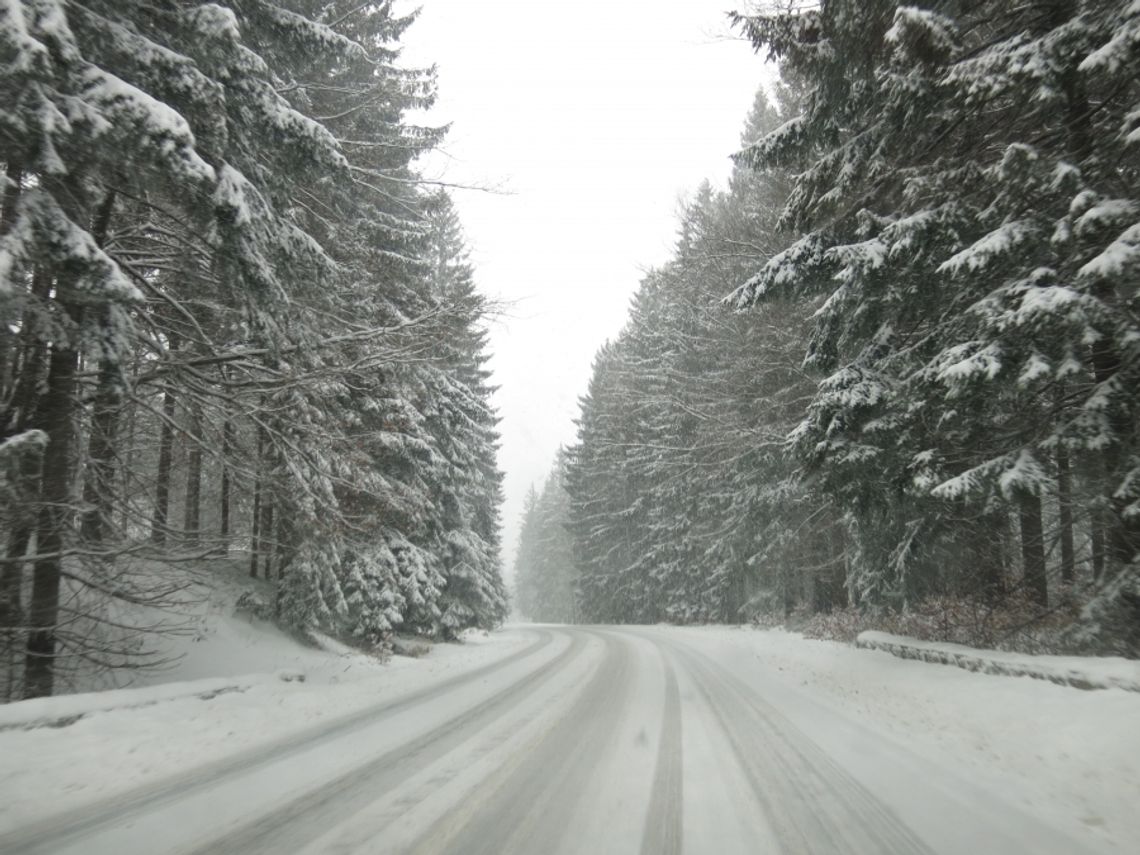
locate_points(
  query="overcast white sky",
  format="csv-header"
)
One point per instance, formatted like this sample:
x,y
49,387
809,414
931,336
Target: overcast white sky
x,y
595,117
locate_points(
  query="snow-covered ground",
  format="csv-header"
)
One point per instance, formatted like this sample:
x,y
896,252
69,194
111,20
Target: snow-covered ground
x,y
1067,755
236,682
652,739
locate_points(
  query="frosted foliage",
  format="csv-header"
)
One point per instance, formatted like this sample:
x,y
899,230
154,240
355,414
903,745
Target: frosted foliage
x,y
1119,259
984,252
40,225
159,127
22,443
964,201
923,27
185,224
212,21
1120,50
1025,474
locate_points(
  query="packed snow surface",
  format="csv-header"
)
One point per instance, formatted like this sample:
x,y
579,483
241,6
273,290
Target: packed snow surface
x,y
581,739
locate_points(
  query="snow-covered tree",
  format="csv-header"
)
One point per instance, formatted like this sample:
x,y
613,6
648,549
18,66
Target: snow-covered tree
x,y
966,191
545,573
216,262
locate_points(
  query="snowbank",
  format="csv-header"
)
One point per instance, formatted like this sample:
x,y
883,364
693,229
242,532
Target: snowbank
x,y
67,709
232,682
117,740
1080,672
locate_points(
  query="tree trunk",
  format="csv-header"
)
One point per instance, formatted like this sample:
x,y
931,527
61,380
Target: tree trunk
x,y
988,556
1065,514
165,458
255,530
224,510
99,484
12,577
284,539
13,185
1033,548
58,412
1096,543
56,416
29,374
255,534
267,536
1120,537
21,415
192,511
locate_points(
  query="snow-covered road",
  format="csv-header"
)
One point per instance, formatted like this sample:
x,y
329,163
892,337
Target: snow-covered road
x,y
580,740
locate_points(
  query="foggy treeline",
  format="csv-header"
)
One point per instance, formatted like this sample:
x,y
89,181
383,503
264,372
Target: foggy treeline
x,y
894,367
233,321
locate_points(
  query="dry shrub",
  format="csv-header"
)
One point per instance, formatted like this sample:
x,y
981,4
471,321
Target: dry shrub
x,y
1015,623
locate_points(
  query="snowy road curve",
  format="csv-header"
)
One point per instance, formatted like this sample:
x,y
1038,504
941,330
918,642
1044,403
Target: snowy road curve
x,y
586,740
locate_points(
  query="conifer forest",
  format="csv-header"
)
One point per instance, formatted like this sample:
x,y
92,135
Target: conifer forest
x,y
233,320
893,368
403,450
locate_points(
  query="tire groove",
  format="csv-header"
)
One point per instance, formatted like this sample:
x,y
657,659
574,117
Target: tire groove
x,y
663,822
797,813
49,834
505,823
292,825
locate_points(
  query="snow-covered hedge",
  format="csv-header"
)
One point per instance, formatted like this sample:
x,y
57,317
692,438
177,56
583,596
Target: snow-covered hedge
x,y
1081,672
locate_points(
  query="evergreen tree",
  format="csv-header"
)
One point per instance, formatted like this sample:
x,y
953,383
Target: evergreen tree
x,y
968,215
253,301
545,573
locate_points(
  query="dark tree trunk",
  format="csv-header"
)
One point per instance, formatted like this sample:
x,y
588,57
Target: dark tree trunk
x,y
1120,535
1096,544
828,589
267,536
255,529
130,419
33,360
1065,514
19,416
839,566
13,185
284,538
160,526
255,525
99,484
56,415
224,510
12,577
192,511
989,554
57,411
1033,548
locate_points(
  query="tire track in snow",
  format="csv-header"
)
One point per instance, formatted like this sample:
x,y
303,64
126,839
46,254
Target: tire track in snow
x,y
663,831
534,801
291,826
811,804
53,833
